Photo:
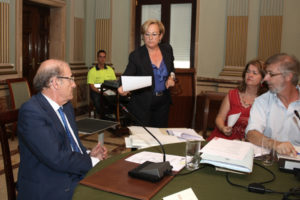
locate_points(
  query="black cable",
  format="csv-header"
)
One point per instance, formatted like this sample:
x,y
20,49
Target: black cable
x,y
257,187
234,184
273,175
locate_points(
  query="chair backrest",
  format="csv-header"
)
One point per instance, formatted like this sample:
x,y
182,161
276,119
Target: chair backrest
x,y
19,91
210,96
8,117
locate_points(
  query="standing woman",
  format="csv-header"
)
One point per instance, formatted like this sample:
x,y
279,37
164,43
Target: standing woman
x,y
240,100
151,105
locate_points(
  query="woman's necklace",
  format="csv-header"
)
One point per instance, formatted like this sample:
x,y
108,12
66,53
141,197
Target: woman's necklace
x,y
247,100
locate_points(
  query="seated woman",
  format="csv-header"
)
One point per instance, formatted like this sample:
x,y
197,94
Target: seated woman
x,y
239,100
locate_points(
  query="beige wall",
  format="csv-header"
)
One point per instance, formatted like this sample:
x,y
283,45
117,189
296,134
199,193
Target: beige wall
x,y
290,42
211,48
212,30
121,26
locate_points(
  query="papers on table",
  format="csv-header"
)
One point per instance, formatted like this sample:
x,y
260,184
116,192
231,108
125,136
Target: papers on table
x,y
140,138
130,83
107,92
297,158
187,194
259,151
185,134
232,119
178,162
289,163
231,154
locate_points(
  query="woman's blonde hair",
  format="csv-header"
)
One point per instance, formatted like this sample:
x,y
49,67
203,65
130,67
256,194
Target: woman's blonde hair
x,y
149,22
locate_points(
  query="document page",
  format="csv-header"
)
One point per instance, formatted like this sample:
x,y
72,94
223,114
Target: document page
x,y
187,194
185,134
130,83
231,149
232,119
231,154
178,162
291,157
140,138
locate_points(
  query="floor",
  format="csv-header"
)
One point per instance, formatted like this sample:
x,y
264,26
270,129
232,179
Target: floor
x,y
115,145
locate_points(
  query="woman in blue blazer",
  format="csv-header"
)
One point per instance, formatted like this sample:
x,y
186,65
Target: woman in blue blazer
x,y
151,104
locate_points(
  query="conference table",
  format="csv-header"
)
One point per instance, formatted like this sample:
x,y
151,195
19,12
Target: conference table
x,y
206,183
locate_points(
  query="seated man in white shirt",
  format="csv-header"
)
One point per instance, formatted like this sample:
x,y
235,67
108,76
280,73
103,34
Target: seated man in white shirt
x,y
273,113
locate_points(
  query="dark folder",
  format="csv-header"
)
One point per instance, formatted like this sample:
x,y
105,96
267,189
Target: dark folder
x,y
114,178
288,165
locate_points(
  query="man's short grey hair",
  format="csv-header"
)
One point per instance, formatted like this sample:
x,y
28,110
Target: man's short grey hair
x,y
288,64
42,77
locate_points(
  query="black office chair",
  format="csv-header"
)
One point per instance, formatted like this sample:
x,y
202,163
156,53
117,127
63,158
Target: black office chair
x,y
111,106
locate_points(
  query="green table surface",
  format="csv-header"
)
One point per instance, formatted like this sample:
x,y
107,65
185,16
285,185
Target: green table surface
x,y
207,183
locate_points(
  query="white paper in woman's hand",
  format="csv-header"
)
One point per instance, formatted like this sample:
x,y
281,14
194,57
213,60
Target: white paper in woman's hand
x,y
130,83
232,119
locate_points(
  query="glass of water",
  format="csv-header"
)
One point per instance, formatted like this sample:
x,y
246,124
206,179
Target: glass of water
x,y
192,154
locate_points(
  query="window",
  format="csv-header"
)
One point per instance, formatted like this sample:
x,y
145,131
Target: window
x,y
180,28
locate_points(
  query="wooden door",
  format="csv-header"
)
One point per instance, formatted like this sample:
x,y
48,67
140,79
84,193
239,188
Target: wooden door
x,y
35,38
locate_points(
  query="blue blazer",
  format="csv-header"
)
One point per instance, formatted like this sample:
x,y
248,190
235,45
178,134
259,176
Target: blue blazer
x,y
49,169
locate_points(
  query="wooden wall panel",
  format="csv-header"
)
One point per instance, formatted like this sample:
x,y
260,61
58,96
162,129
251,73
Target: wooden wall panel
x,y
183,97
236,40
269,36
4,33
79,39
103,37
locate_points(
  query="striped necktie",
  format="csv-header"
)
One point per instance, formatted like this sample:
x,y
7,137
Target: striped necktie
x,y
71,139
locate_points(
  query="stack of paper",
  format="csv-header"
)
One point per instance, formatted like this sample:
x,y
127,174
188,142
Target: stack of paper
x,y
185,134
140,138
230,154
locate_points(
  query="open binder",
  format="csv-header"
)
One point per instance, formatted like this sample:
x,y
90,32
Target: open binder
x,y
229,154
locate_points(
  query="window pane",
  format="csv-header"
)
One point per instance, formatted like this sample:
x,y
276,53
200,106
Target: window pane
x,y
180,33
151,12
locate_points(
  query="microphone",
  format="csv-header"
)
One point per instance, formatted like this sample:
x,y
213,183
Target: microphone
x,y
172,74
150,171
297,114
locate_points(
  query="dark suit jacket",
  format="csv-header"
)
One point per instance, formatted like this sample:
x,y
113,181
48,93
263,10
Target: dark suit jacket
x,y
140,65
48,168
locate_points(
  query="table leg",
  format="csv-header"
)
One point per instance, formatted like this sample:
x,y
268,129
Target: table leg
x,y
101,138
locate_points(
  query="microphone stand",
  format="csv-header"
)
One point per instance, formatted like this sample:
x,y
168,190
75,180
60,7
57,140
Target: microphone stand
x,y
150,171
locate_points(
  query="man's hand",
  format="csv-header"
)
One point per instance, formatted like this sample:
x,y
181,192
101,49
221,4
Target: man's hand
x,y
286,148
99,152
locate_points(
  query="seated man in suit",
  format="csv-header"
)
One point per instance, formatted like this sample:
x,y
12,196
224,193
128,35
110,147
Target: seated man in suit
x,y
53,160
273,113
97,75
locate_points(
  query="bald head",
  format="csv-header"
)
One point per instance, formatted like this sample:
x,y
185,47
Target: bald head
x,y
47,70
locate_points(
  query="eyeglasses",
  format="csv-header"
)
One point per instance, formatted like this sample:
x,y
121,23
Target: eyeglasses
x,y
152,34
273,74
72,78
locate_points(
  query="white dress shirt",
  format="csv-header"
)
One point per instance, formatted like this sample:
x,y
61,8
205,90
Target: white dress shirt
x,y
269,116
55,107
